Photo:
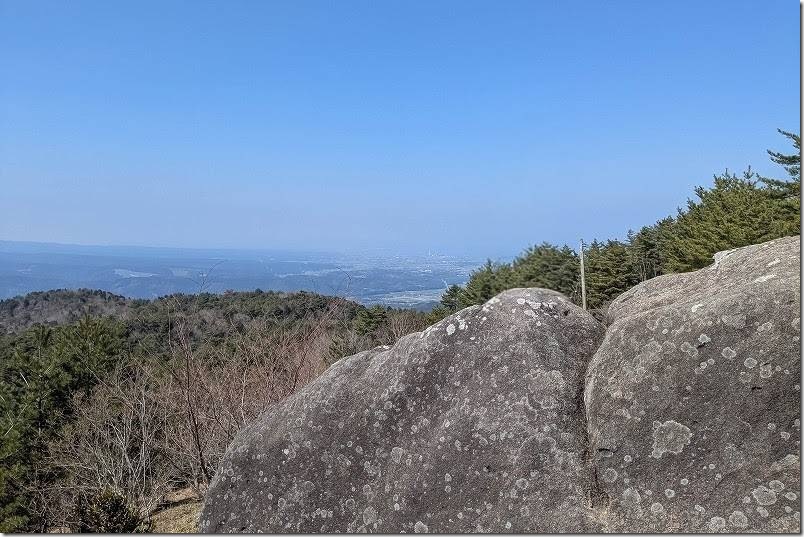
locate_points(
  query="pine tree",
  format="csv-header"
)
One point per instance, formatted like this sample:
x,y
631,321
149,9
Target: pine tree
x,y
788,192
608,273
549,267
791,164
646,257
482,285
735,212
452,298
369,319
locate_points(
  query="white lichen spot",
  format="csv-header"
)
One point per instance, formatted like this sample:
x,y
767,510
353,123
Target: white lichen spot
x,y
627,459
738,519
656,508
685,481
396,454
670,493
717,523
776,485
669,437
631,495
763,495
610,475
762,512
728,353
522,483
771,426
420,527
790,496
369,515
447,478
696,307
711,466
703,338
750,363
450,329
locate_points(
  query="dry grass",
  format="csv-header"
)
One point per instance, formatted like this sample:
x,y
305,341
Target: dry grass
x,y
181,518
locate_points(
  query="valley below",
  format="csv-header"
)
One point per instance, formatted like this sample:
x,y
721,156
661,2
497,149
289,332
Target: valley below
x,y
409,281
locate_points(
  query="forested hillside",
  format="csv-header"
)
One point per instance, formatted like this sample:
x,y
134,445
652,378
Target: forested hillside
x,y
109,405
737,210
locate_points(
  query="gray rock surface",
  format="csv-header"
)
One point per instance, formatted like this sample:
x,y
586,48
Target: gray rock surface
x,y
520,416
693,399
475,424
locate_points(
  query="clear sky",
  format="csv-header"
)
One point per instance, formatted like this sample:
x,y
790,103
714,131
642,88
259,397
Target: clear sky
x,y
457,126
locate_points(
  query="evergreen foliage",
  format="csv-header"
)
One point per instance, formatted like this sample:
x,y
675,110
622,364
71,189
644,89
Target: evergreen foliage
x,y
39,372
736,211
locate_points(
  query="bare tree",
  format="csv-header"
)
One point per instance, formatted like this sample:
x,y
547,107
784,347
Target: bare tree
x,y
213,394
114,443
399,323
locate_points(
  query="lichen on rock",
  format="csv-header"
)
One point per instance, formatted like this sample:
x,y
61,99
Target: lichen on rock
x,y
525,415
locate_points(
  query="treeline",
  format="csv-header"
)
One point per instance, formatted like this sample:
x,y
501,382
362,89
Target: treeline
x,y
102,417
735,211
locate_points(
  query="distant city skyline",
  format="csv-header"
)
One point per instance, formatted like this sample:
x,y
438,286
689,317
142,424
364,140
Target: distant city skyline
x,y
464,128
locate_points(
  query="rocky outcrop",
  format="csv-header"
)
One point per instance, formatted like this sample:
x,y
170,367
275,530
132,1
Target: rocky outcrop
x,y
519,415
475,424
693,399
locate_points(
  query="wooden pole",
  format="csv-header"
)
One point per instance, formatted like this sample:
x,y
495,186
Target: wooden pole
x,y
583,280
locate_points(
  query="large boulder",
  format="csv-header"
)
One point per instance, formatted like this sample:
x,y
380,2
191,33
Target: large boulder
x,y
693,399
475,424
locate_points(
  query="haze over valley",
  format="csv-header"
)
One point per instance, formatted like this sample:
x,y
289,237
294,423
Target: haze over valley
x,y
369,277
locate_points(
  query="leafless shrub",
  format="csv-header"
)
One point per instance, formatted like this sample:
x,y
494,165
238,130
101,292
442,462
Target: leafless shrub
x,y
212,395
114,443
399,323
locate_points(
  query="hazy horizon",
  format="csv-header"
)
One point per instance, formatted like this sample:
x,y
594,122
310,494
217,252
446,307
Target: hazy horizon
x,y
290,249
368,277
461,128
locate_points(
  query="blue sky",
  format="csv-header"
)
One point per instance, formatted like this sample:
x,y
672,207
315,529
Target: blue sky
x,y
460,127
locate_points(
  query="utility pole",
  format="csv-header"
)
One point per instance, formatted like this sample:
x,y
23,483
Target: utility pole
x,y
583,280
